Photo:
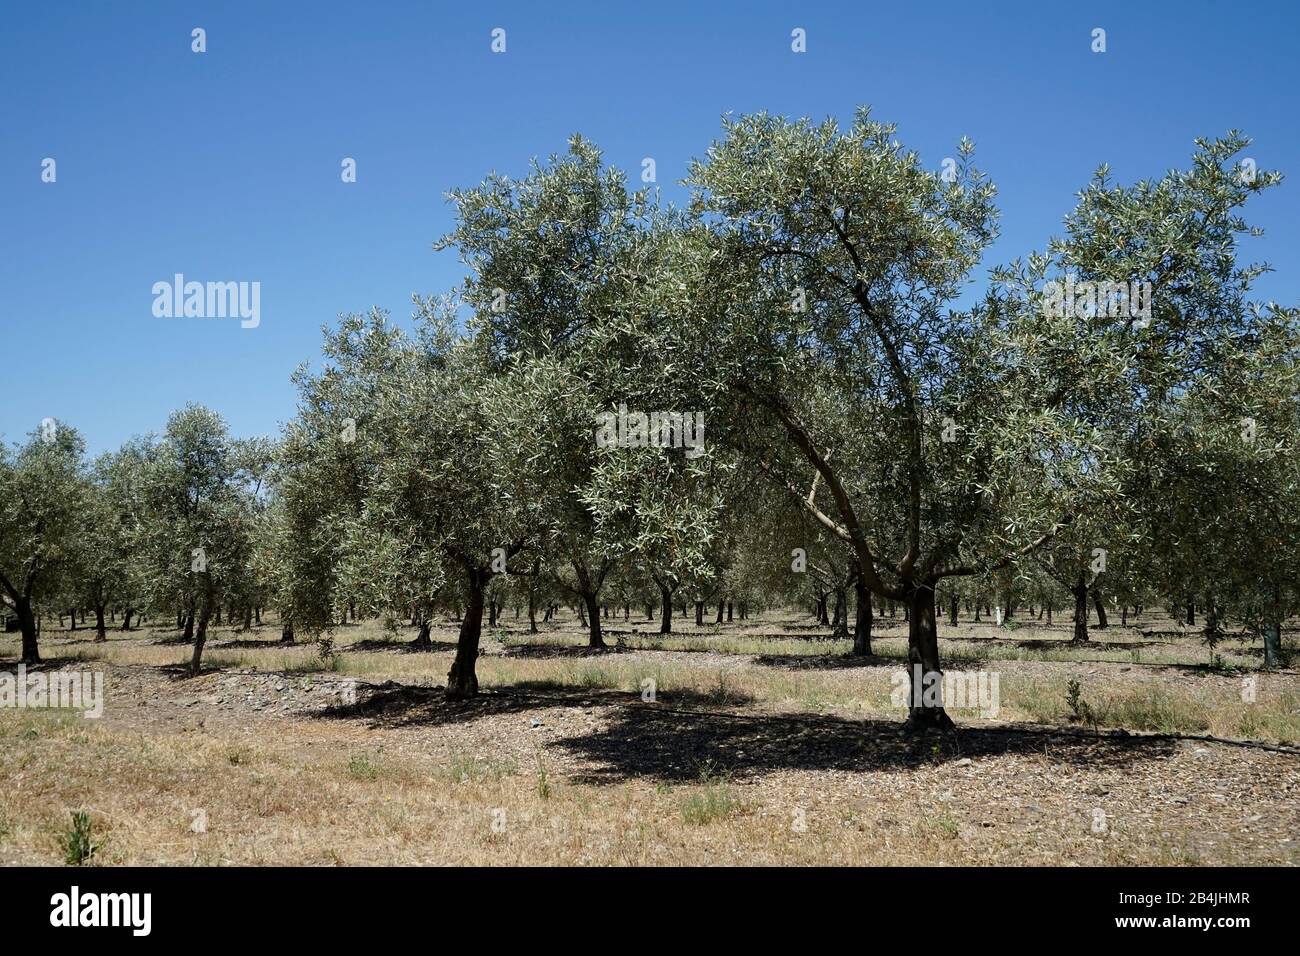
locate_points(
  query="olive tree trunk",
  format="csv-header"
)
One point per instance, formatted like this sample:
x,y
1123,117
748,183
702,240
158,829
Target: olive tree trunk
x,y
594,637
27,625
1080,613
1100,605
201,631
462,682
925,710
862,626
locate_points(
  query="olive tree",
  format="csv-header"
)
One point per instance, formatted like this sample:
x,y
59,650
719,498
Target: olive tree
x,y
823,304
555,260
197,534
438,472
43,496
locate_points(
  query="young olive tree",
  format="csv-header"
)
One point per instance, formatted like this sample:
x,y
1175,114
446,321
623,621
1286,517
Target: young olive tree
x,y
197,536
328,457
555,266
444,489
106,572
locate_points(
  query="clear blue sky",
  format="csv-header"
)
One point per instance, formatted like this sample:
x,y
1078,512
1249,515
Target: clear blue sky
x,y
225,165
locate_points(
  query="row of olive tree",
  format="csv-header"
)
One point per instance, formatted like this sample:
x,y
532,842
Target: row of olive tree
x,y
862,430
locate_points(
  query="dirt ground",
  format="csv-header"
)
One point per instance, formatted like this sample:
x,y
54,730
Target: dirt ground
x,y
753,742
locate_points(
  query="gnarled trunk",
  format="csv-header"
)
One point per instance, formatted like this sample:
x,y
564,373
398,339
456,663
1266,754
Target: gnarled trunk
x,y
27,625
925,708
1080,613
840,620
594,637
462,682
666,613
201,632
862,627
101,630
1100,605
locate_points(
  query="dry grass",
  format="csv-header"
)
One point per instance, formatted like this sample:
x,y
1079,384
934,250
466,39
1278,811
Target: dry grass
x,y
573,772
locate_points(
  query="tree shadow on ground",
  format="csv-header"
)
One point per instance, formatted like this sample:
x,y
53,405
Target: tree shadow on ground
x,y
681,735
1091,644
676,747
823,633
244,644
391,705
47,663
837,662
547,651
398,647
1192,634
1203,669
172,641
797,626
827,662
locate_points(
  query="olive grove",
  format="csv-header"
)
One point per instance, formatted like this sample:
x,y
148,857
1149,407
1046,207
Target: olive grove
x,y
798,390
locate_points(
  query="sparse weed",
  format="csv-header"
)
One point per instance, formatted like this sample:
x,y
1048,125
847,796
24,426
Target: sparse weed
x,y
363,767
712,800
77,842
543,780
1080,710
466,768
